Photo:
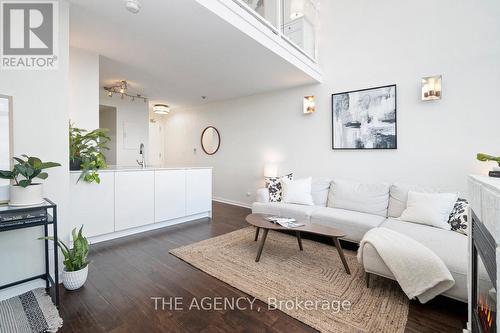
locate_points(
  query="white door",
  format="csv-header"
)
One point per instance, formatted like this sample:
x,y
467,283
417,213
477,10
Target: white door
x,y
134,199
156,150
198,191
170,194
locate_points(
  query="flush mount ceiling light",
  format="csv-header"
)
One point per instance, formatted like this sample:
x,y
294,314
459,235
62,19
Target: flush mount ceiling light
x,y
161,109
121,88
133,6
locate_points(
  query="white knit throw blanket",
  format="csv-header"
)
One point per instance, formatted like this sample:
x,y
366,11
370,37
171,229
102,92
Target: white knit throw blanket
x,y
418,270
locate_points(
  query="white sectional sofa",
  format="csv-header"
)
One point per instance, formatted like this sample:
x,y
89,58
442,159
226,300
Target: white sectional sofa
x,y
356,208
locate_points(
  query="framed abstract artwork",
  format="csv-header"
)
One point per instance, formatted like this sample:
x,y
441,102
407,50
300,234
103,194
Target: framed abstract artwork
x,y
365,119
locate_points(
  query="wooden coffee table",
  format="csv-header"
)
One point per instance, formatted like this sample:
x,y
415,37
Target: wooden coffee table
x,y
259,221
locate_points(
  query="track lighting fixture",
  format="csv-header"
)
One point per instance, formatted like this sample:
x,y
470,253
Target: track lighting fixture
x,y
122,88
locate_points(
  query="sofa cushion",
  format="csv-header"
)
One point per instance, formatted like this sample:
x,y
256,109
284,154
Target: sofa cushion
x,y
448,245
319,191
373,263
366,198
299,212
398,197
353,224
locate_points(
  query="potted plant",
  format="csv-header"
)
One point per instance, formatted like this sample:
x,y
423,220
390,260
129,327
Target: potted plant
x,y
85,152
485,157
496,169
24,191
76,266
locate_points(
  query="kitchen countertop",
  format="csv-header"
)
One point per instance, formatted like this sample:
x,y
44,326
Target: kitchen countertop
x,y
119,168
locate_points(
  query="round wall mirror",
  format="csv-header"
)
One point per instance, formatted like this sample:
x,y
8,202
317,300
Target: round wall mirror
x,y
210,140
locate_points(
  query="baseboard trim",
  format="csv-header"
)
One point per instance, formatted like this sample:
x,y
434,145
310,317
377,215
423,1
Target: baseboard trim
x,y
232,202
148,227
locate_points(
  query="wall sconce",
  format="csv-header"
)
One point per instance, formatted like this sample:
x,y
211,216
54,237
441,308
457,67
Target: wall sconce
x,y
431,88
309,106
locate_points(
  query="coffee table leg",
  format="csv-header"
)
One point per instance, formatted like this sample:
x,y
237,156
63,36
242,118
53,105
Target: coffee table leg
x,y
261,247
256,234
341,254
299,239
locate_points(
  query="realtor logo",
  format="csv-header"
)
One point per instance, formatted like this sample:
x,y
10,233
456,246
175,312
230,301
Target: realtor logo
x,y
29,35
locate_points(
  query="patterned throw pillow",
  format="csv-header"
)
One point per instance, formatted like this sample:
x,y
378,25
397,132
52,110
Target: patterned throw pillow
x,y
274,186
459,220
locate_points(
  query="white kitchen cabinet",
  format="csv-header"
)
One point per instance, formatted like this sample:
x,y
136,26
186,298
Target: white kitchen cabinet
x,y
170,194
198,191
92,204
134,199
131,200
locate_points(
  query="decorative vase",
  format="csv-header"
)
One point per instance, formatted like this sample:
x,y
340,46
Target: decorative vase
x,y
26,196
75,164
75,280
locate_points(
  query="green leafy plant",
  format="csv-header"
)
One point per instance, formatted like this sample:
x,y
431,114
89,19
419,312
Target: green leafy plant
x,y
76,257
29,168
85,150
485,157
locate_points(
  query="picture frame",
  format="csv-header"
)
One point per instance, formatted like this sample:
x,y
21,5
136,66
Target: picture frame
x,y
365,119
6,144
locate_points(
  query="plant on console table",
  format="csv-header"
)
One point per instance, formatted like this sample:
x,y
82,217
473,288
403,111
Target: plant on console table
x,y
24,191
485,158
76,265
85,152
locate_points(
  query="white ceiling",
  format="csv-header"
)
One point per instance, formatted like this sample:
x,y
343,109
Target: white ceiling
x,y
175,51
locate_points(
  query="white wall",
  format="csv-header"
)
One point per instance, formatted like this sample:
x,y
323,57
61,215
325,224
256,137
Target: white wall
x,y
86,95
84,88
136,115
366,44
40,126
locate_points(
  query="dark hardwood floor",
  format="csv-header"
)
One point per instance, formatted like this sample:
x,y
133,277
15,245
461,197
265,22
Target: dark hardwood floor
x,y
125,273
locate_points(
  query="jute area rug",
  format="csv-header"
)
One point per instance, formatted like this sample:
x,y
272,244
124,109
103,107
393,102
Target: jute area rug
x,y
287,278
31,312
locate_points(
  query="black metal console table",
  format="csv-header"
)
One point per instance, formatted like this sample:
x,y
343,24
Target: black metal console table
x,y
21,217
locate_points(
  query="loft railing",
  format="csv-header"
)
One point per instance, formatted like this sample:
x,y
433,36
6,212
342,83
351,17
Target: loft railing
x,y
295,21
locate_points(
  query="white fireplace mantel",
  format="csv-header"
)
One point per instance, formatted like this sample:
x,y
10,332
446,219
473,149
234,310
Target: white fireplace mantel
x,y
484,195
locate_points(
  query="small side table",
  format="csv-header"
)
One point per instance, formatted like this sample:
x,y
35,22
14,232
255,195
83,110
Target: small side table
x,y
21,217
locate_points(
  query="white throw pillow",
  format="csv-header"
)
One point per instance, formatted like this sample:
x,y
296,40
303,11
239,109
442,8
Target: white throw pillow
x,y
429,208
297,191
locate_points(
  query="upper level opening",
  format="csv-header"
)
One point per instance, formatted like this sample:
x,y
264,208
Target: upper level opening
x,y
295,21
177,51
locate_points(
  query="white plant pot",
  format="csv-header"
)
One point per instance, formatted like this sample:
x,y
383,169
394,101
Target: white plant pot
x,y
25,196
74,280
